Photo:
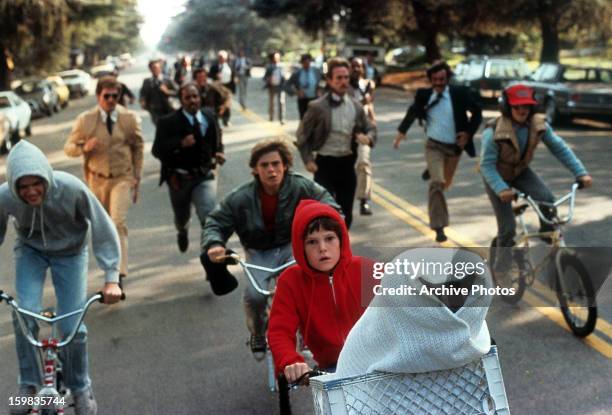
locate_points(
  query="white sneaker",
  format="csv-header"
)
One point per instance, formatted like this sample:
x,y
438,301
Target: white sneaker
x,y
85,403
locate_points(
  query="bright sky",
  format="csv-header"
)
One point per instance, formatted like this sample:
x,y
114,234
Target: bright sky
x,y
157,15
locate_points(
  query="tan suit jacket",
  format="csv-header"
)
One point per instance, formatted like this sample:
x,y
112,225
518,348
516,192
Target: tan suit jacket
x,y
119,155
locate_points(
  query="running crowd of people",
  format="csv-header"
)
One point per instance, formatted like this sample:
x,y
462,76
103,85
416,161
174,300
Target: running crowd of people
x,y
278,215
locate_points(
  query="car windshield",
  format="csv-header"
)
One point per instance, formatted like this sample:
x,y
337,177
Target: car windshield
x,y
4,102
506,69
469,71
545,73
28,87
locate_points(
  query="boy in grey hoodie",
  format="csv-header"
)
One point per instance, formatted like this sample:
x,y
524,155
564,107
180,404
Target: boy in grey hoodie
x,y
52,212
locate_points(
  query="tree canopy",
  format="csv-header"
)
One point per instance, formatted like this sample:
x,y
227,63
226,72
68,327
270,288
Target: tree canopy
x,y
233,25
36,36
478,22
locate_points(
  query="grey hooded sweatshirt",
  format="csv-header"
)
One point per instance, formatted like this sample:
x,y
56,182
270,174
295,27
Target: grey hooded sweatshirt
x,y
60,225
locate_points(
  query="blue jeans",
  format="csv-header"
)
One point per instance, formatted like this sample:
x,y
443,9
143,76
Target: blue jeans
x,y
254,302
69,275
532,185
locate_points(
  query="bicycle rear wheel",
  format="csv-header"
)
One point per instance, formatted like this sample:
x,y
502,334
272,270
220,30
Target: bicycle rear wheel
x,y
518,270
576,296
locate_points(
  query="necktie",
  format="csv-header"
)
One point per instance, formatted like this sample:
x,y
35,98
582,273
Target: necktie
x,y
434,102
197,127
109,124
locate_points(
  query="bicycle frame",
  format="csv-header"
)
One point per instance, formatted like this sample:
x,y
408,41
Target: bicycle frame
x,y
233,258
50,349
557,245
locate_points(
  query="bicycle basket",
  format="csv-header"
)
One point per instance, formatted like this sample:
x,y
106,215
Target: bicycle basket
x,y
473,389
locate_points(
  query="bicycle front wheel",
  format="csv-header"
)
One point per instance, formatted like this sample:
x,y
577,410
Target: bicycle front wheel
x,y
514,275
576,296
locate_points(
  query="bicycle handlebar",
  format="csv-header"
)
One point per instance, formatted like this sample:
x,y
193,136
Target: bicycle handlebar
x,y
302,380
19,312
233,258
559,220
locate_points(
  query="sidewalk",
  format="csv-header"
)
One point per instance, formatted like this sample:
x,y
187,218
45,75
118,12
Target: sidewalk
x,y
405,81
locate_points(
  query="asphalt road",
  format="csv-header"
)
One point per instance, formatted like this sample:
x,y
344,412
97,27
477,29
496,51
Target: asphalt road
x,y
173,347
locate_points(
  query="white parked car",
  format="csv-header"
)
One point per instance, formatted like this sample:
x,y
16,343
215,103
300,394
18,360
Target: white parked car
x,y
78,81
17,119
127,59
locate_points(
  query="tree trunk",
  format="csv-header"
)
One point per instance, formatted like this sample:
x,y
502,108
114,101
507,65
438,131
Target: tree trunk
x,y
5,72
550,40
427,29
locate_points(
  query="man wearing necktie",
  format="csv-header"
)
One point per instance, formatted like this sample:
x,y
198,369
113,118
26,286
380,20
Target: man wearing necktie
x,y
156,91
329,133
449,131
188,144
109,138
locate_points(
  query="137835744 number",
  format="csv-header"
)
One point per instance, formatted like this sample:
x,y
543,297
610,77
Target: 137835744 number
x,y
41,401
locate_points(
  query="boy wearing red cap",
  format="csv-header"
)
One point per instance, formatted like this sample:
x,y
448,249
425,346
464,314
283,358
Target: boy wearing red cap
x,y
321,295
508,146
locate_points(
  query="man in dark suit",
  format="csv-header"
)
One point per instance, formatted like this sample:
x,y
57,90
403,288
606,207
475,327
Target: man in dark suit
x,y
449,130
188,144
222,72
156,91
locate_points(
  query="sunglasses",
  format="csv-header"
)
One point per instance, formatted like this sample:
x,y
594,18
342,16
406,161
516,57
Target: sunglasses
x,y
109,96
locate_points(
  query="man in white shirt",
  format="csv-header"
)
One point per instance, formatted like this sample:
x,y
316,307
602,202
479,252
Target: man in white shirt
x,y
449,132
222,72
275,83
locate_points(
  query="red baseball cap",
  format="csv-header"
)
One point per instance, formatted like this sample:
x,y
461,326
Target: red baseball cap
x,y
520,95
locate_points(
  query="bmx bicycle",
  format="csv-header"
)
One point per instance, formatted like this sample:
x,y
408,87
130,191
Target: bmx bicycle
x,y
51,398
232,258
571,282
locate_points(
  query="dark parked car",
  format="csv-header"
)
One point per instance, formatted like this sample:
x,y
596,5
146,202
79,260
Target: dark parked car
x,y
487,76
41,94
564,91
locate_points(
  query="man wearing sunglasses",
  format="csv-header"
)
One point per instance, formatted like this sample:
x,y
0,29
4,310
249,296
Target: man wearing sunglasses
x,y
110,140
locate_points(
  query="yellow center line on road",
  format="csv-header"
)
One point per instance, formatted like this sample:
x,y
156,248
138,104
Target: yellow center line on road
x,y
418,219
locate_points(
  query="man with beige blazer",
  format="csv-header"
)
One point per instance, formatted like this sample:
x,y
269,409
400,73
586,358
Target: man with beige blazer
x,y
109,138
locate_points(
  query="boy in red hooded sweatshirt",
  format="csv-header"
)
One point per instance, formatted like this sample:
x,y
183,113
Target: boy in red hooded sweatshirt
x,y
321,295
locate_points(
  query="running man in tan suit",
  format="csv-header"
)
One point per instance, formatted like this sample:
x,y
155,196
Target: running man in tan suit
x,y
110,140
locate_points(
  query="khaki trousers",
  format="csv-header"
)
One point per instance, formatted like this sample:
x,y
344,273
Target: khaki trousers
x,y
442,160
115,195
276,96
364,172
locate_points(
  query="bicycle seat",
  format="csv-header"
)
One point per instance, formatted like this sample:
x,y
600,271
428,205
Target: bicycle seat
x,y
520,209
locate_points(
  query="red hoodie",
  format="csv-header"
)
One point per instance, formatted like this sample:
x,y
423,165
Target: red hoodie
x,y
323,306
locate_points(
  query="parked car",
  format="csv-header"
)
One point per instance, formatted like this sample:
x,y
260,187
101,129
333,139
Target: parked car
x,y
406,56
126,59
487,76
103,69
42,93
564,91
61,88
5,132
78,82
19,116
